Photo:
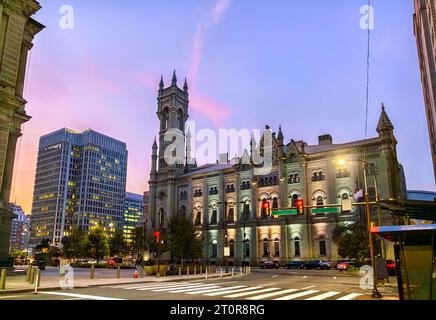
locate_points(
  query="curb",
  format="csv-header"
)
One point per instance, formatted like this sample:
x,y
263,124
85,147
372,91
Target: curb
x,y
29,290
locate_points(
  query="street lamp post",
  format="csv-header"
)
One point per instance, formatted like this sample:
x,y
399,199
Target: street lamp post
x,y
375,293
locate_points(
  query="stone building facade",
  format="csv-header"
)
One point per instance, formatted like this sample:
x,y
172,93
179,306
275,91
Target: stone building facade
x,y
17,30
227,200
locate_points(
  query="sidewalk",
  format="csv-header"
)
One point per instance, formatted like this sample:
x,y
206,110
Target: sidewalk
x,y
18,284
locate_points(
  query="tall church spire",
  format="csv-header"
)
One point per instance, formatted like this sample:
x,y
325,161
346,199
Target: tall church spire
x,y
185,87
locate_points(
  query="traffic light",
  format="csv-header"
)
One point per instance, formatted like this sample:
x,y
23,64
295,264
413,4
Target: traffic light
x,y
265,208
156,236
300,206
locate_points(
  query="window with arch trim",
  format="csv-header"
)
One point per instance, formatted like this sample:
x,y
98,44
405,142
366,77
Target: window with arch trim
x,y
265,247
297,249
322,246
320,200
232,248
276,247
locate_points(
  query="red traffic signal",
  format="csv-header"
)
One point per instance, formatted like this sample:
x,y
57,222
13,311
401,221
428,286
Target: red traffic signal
x,y
300,206
265,208
156,236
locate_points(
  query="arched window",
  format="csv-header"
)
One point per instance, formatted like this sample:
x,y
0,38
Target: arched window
x,y
322,247
320,201
214,218
275,181
321,177
345,196
215,190
262,183
232,248
180,120
270,181
297,247
198,219
161,217
291,179
265,248
246,212
264,213
275,203
231,217
246,248
248,185
243,186
214,249
183,211
276,247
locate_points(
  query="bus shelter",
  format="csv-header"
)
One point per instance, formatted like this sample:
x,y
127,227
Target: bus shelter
x,y
415,248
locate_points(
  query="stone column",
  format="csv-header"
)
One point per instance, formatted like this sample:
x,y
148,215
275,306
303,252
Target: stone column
x,y
9,166
27,45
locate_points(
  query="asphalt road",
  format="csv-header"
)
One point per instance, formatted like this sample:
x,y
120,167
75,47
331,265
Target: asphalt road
x,y
260,285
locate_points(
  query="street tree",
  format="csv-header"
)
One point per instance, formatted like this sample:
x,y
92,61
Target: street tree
x,y
184,241
73,246
97,245
118,245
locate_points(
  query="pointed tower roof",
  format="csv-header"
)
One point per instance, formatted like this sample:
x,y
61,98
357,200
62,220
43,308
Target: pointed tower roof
x,y
174,81
384,123
280,135
185,86
154,143
161,84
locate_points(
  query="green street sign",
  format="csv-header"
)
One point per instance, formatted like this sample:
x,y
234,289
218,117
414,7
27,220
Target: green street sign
x,y
325,210
287,212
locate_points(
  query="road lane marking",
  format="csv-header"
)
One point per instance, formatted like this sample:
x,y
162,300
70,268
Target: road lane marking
x,y
268,284
172,286
297,295
309,287
82,296
185,287
9,297
193,290
230,291
237,295
350,296
153,285
324,295
216,290
273,294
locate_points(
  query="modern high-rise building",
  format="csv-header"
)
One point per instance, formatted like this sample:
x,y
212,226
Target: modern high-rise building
x,y
17,30
425,32
80,181
133,213
20,229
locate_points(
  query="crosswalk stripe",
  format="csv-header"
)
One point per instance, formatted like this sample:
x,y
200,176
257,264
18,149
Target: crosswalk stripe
x,y
194,290
250,293
297,295
186,287
166,286
230,291
324,295
273,294
350,296
216,290
150,285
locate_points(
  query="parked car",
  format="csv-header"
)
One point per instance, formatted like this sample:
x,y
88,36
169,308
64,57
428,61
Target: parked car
x,y
390,265
112,262
294,265
344,264
317,264
270,264
93,261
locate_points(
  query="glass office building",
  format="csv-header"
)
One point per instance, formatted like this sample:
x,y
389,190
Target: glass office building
x,y
80,181
133,213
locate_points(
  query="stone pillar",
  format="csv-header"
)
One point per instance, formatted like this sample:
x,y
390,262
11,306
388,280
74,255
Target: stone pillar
x,y
9,167
27,45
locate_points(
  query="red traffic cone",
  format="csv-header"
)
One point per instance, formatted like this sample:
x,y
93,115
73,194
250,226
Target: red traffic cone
x,y
135,276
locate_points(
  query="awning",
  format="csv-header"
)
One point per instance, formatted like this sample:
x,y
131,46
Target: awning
x,y
410,232
413,209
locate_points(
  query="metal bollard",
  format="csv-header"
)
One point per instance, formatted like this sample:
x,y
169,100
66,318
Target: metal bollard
x,y
118,272
32,275
180,271
38,280
3,279
233,271
195,270
141,272
206,273
29,268
91,273
187,270
221,272
201,269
